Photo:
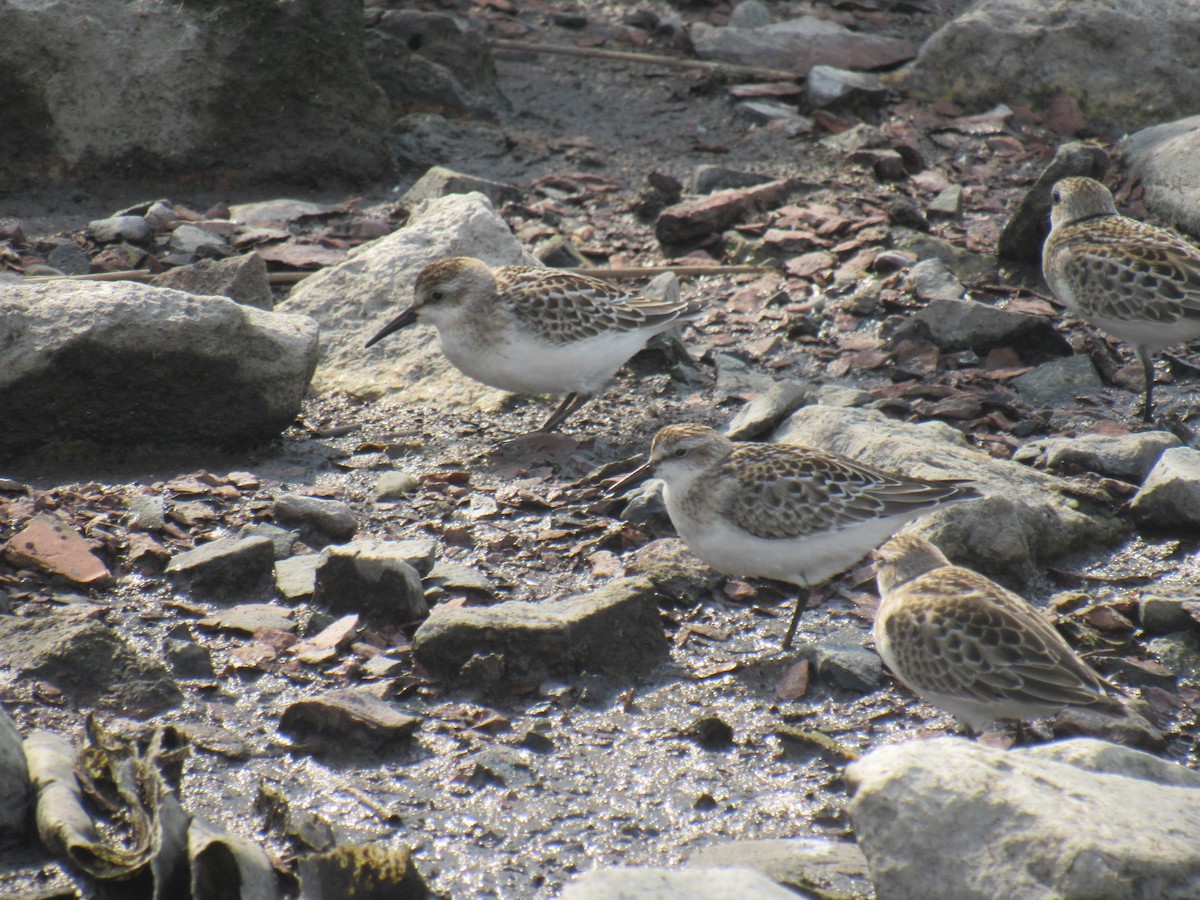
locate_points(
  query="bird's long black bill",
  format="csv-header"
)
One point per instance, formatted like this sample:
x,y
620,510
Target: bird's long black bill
x,y
641,473
406,318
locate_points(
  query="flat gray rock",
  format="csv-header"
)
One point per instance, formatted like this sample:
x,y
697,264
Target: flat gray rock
x,y
614,630
319,520
1080,819
14,780
227,570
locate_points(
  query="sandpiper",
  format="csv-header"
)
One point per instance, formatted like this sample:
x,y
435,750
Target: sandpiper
x,y
535,330
973,648
781,511
1138,283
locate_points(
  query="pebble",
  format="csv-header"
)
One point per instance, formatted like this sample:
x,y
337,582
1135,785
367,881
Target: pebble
x,y
226,570
134,229
1170,497
320,521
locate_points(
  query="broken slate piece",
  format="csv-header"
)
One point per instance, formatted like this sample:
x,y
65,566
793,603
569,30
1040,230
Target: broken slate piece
x,y
296,576
614,630
768,409
347,718
1126,456
374,578
250,617
52,545
227,570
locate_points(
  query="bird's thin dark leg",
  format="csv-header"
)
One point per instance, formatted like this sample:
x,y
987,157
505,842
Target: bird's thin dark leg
x,y
571,404
801,602
1147,359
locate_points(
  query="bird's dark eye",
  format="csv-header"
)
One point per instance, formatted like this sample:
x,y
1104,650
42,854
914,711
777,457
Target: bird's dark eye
x,y
679,452
437,296
1056,195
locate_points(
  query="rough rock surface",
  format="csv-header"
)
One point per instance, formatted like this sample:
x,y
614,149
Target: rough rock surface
x,y
1024,51
1026,517
111,104
355,299
88,662
1123,823
426,61
1127,456
1165,160
825,868
954,324
1171,495
228,570
668,884
124,364
615,630
240,278
14,779
374,578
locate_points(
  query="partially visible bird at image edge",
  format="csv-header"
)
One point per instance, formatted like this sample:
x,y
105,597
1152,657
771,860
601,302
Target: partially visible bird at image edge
x,y
1136,282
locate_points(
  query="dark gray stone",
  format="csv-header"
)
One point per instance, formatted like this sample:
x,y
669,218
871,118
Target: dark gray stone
x,y
373,578
614,630
502,766
320,521
175,79
227,570
709,178
69,259
88,662
1058,383
969,325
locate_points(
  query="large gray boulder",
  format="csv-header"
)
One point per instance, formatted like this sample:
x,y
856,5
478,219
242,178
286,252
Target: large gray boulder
x,y
1025,518
1025,51
1165,160
1079,819
356,298
241,92
124,364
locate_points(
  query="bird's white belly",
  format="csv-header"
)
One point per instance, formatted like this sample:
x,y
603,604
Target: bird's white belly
x,y
524,366
808,560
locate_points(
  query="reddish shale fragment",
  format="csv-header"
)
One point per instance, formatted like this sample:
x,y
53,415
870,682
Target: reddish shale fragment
x,y
50,544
